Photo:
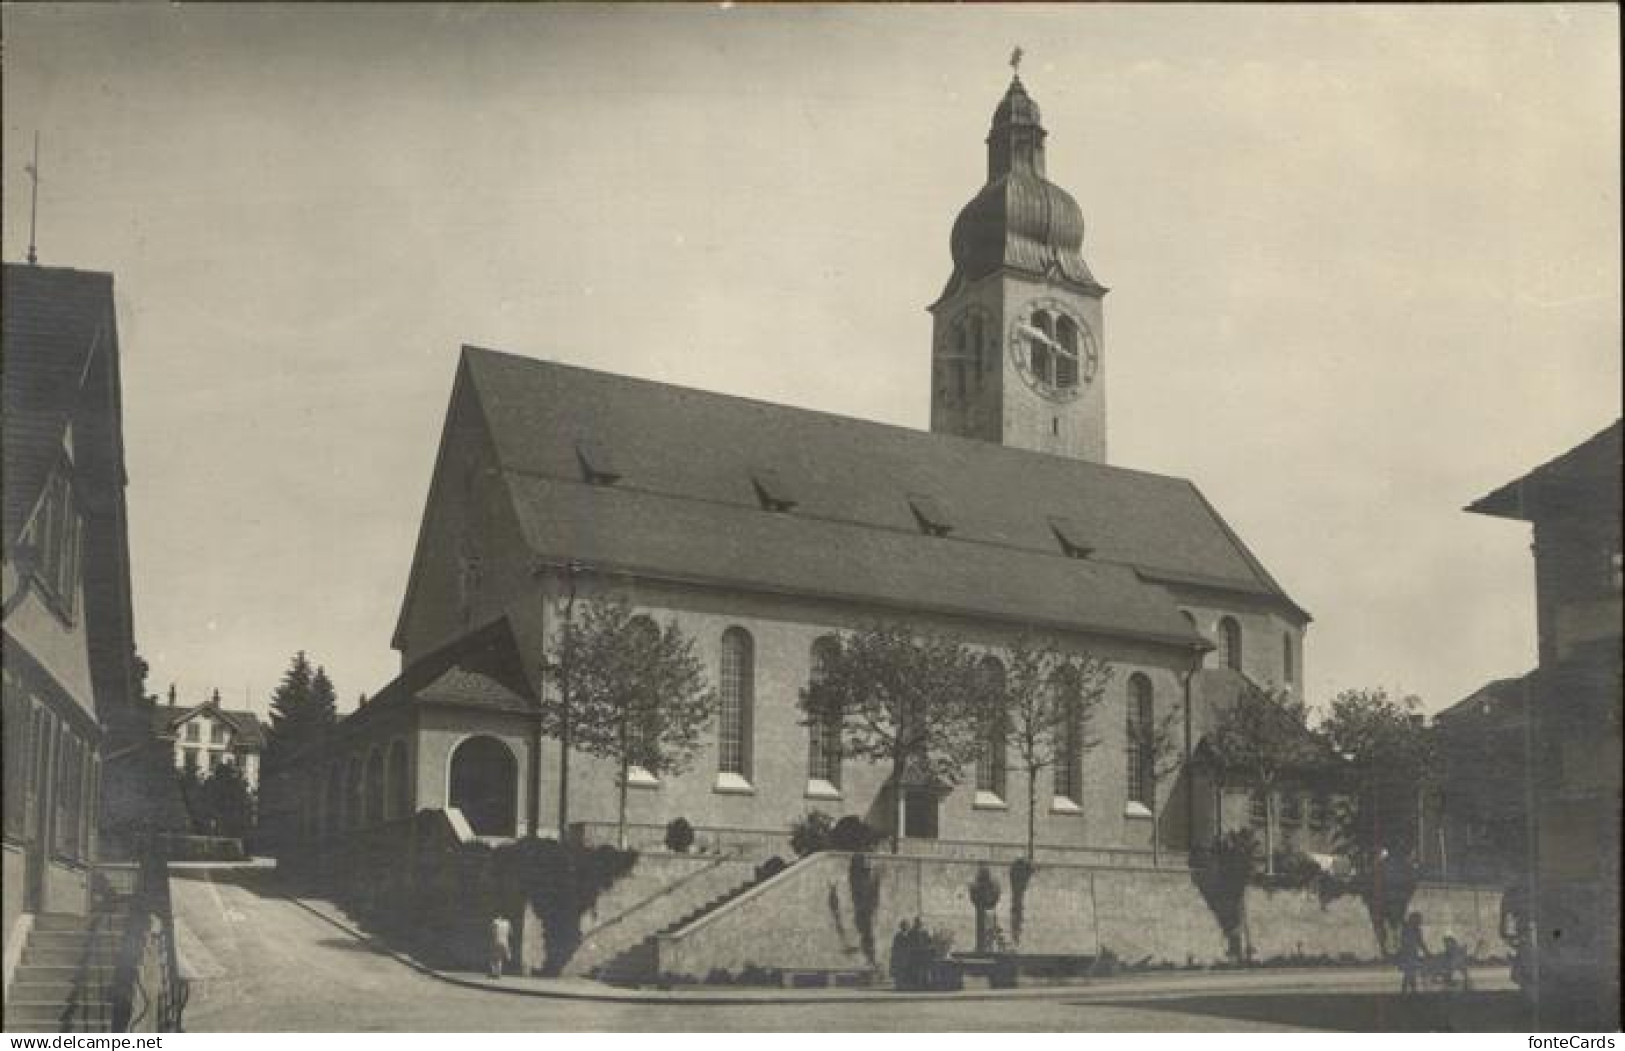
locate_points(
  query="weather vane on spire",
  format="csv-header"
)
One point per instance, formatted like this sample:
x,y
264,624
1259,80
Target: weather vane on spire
x,y
1015,60
33,203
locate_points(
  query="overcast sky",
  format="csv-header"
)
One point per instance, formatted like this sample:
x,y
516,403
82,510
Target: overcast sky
x,y
1365,267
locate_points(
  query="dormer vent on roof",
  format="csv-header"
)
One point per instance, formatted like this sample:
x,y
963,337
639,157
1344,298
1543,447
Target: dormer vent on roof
x,y
1074,544
771,490
597,465
929,513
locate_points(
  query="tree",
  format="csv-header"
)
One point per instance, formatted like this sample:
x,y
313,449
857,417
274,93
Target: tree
x,y
1161,744
904,699
1047,703
302,712
626,690
227,803
1392,760
1265,736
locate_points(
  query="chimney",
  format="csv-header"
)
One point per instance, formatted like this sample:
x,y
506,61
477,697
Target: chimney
x,y
172,695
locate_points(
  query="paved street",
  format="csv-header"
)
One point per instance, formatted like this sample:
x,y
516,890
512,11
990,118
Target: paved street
x,y
263,963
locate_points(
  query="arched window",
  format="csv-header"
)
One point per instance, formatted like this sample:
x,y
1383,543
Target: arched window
x,y
333,805
643,727
978,343
1141,708
991,761
1068,736
737,696
399,795
1289,673
1230,640
824,736
374,789
352,792
1066,357
484,785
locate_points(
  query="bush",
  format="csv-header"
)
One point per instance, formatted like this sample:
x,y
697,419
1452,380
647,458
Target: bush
x,y
679,835
811,834
854,834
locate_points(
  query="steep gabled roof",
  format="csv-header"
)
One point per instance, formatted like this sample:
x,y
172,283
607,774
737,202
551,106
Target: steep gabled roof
x,y
245,725
686,505
1586,478
55,319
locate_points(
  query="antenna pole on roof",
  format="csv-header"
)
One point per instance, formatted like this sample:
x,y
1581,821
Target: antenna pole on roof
x,y
33,202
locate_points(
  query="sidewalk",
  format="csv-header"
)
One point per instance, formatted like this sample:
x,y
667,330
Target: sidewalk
x,y
1132,987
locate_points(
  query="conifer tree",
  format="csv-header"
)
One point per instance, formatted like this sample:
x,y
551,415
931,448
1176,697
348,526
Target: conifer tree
x,y
302,710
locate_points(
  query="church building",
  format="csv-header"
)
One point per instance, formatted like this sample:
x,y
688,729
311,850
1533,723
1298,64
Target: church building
x,y
764,530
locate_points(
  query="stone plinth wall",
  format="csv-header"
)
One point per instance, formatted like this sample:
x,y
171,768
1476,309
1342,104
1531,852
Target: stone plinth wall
x,y
804,919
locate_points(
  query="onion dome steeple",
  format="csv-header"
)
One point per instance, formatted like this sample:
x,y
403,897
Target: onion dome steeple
x,y
1020,220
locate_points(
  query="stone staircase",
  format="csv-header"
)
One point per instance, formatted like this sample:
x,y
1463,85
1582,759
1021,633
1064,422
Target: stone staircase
x,y
653,912
638,964
64,981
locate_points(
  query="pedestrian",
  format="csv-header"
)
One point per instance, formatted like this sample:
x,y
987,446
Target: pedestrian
x,y
1456,965
1413,952
500,930
919,955
899,955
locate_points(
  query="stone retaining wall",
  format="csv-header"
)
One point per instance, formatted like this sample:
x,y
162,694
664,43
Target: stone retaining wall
x,y
804,919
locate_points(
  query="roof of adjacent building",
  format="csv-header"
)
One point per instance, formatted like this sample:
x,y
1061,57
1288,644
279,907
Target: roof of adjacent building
x,y
247,730
1497,703
1584,479
696,473
54,320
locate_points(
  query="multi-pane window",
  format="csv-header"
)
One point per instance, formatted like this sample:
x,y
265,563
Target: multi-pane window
x,y
1230,638
1319,813
189,758
992,764
70,793
824,734
1289,674
738,688
54,534
217,734
1140,751
1258,811
1291,808
192,732
1068,737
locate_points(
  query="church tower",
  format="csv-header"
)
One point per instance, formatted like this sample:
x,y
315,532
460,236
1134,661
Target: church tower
x,y
1017,353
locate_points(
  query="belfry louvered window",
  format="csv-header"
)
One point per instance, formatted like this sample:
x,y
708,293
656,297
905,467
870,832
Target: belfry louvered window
x,y
738,690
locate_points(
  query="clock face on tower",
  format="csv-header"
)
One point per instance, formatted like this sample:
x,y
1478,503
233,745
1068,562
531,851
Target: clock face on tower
x,y
1053,349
